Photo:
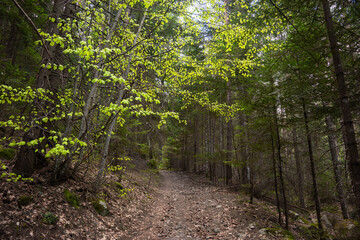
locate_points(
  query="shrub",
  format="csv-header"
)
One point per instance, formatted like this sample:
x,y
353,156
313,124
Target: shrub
x,y
72,198
7,153
24,200
153,164
50,218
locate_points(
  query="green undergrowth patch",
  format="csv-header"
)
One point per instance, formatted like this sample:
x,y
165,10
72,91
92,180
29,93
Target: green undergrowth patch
x,y
72,198
7,153
50,218
24,200
100,206
276,231
313,232
10,176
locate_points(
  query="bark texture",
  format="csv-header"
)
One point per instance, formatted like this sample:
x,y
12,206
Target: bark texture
x,y
335,160
312,166
299,169
350,143
27,160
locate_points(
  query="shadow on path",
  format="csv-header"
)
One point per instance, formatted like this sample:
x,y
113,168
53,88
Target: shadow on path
x,y
189,207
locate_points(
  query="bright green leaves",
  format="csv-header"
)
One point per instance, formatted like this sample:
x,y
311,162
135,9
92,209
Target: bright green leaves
x,y
9,95
11,177
148,3
57,150
50,113
114,168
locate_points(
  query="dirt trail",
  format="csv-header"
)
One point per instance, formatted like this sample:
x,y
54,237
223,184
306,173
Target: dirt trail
x,y
189,207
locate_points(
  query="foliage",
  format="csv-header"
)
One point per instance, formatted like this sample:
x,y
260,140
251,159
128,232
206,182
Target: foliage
x,y
312,232
72,198
279,231
7,153
24,200
118,186
100,207
347,229
50,218
12,177
196,85
123,192
164,164
153,164
114,168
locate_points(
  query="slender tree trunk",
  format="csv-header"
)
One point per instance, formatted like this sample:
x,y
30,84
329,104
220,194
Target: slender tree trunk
x,y
251,178
275,177
195,144
299,169
211,163
229,143
62,164
11,49
185,155
312,166
335,160
229,127
351,145
212,150
92,95
280,166
202,141
115,116
222,146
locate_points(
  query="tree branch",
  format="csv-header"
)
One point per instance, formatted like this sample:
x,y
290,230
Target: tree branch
x,y
33,25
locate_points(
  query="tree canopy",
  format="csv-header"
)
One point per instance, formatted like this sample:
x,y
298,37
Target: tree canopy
x,y
251,92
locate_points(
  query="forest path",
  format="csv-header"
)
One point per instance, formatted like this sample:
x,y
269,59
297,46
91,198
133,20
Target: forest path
x,y
189,207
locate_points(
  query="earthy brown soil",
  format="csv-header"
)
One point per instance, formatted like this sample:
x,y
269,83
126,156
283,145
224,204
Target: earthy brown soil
x,y
189,207
180,206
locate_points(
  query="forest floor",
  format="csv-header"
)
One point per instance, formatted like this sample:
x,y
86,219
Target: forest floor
x,y
188,206
164,205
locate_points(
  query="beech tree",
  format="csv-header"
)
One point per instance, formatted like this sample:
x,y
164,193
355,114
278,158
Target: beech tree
x,y
243,91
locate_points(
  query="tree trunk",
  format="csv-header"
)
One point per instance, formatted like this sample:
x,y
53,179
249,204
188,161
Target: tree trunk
x,y
184,153
229,127
299,169
275,177
351,145
12,42
312,166
27,160
115,116
222,146
335,160
212,152
195,151
280,166
229,143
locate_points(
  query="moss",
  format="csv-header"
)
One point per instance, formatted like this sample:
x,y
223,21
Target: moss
x,y
119,186
100,207
347,229
72,198
304,220
50,218
280,231
313,232
7,153
330,208
24,200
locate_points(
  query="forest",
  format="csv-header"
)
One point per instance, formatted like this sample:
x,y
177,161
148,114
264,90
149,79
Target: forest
x,y
260,97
